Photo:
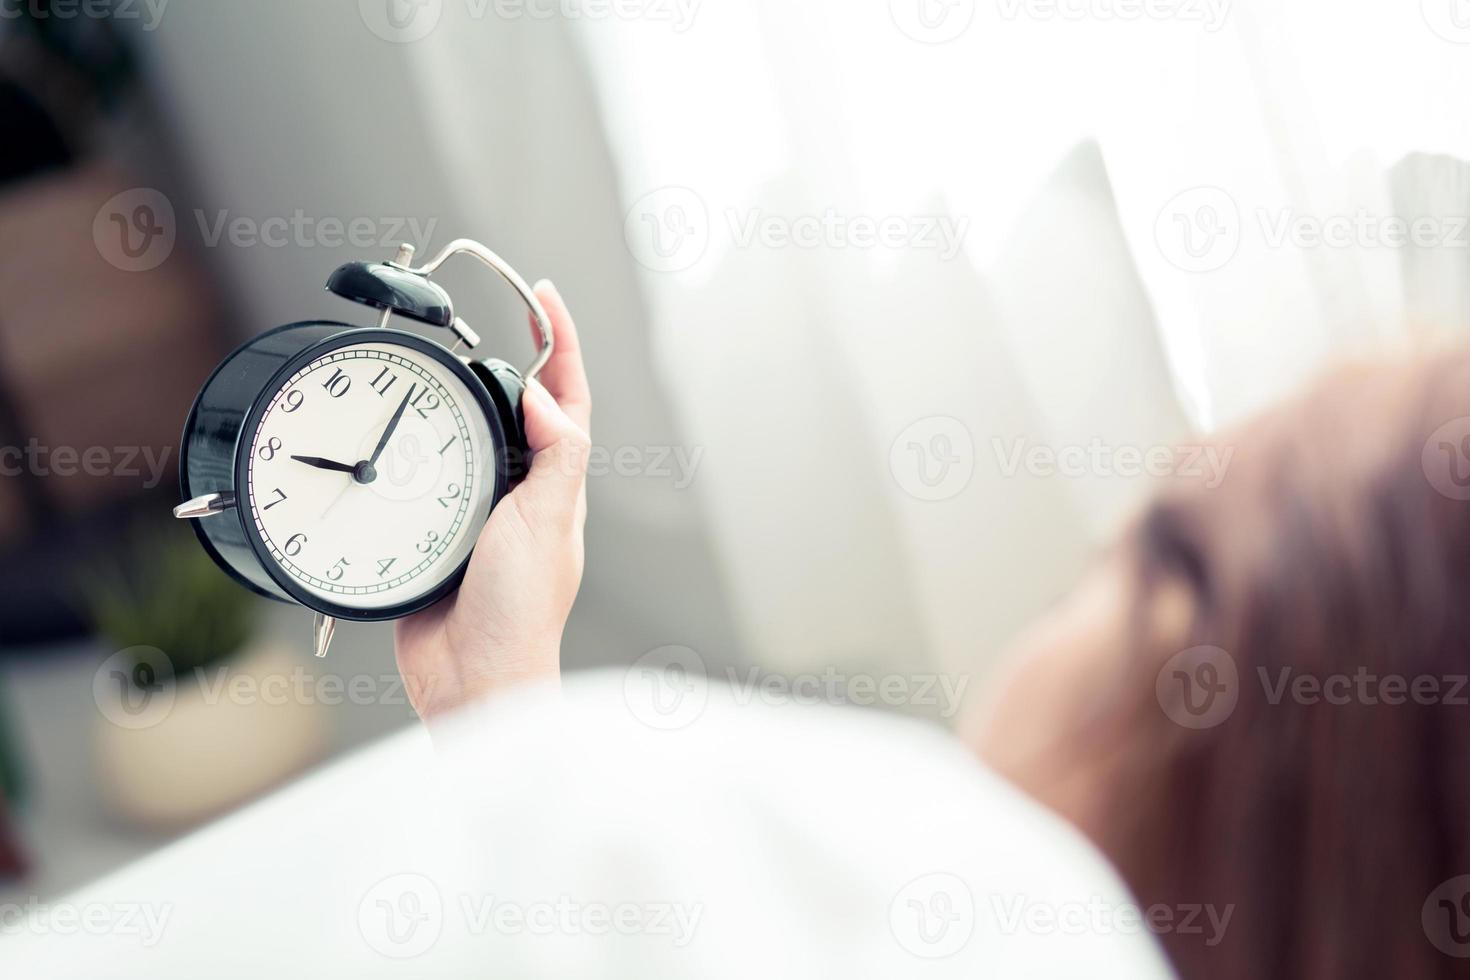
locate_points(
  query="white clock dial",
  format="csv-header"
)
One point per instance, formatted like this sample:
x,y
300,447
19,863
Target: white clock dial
x,y
408,513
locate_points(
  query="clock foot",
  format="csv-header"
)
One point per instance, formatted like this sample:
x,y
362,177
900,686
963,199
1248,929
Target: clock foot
x,y
205,506
322,633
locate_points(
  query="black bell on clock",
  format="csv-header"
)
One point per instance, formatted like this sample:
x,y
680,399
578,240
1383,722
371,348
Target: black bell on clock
x,y
348,468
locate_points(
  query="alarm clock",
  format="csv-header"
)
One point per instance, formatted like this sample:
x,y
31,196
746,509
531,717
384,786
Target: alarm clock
x,y
350,469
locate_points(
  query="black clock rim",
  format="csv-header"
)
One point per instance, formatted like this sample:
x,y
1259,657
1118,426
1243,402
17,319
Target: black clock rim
x,y
187,491
347,338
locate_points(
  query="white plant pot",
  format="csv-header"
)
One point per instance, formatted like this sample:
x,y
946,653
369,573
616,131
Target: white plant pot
x,y
202,744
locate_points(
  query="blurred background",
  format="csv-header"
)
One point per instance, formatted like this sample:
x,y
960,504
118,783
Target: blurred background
x,y
892,309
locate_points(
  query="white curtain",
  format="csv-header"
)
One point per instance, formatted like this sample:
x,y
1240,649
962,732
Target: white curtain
x,y
1128,198
1078,153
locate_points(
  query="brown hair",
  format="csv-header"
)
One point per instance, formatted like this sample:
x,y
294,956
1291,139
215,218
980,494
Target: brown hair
x,y
1328,816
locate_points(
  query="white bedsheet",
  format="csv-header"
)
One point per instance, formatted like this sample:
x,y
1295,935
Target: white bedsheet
x,y
618,830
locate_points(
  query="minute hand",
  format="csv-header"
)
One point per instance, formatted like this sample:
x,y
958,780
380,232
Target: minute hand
x,y
392,424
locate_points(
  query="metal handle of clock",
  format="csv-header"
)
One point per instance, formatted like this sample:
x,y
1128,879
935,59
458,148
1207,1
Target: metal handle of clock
x,y
469,247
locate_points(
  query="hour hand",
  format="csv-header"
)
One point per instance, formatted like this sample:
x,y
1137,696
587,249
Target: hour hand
x,y
326,464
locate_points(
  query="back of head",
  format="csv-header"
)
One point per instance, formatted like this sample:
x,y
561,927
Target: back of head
x,y
1291,736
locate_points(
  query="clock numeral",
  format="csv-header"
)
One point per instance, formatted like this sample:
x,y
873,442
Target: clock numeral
x,y
384,564
381,386
271,447
445,448
453,494
429,400
427,545
337,384
279,493
293,401
294,543
336,572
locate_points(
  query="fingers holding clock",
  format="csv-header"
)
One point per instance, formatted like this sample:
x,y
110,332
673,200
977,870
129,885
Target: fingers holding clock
x,y
558,410
553,491
505,623
564,376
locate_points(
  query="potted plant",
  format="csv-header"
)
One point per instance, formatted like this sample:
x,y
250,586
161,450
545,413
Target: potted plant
x,y
197,707
12,859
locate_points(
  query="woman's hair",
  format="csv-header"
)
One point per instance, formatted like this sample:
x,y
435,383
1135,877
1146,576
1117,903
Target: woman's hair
x,y
1290,744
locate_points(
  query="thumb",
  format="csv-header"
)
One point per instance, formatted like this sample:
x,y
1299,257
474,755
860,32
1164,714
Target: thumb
x,y
553,487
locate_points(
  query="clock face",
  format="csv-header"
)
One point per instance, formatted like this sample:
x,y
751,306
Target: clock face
x,y
370,475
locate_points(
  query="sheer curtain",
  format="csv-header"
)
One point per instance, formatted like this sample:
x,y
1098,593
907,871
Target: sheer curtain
x,y
865,275
1078,153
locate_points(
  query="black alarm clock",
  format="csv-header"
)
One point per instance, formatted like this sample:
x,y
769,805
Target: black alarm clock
x,y
350,469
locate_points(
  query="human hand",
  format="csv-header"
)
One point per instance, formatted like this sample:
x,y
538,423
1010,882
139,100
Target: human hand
x,y
504,624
